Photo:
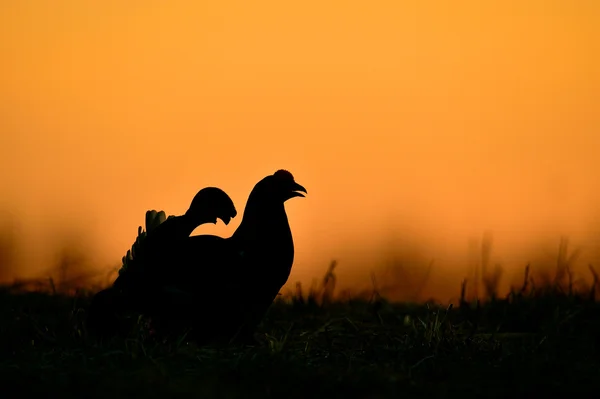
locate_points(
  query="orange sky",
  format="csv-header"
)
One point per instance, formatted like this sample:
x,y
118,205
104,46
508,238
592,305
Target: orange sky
x,y
414,125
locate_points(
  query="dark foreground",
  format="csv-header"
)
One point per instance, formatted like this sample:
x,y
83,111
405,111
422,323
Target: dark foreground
x,y
533,346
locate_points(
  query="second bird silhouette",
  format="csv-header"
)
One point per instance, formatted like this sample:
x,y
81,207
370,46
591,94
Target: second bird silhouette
x,y
139,289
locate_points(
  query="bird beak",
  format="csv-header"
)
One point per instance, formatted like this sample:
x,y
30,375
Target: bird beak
x,y
294,191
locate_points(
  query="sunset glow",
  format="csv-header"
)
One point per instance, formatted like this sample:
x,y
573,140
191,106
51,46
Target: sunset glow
x,y
415,126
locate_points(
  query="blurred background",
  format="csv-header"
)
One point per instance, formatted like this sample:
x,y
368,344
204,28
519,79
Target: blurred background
x,y
415,126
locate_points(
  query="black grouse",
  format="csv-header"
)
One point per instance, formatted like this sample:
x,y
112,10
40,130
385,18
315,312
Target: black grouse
x,y
208,205
234,281
138,289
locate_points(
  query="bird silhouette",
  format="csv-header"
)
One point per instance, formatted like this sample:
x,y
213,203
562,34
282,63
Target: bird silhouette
x,y
138,287
208,205
233,281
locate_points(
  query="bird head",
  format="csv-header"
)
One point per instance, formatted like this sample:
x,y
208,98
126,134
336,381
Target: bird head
x,y
210,204
279,187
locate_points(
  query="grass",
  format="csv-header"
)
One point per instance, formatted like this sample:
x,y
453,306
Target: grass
x,y
536,341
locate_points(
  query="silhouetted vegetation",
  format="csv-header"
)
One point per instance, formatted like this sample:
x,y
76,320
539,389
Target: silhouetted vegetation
x,y
537,340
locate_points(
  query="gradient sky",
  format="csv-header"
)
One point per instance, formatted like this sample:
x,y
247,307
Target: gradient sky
x,y
414,125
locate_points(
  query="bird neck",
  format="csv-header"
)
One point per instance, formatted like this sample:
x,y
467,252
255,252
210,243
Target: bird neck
x,y
176,227
188,224
261,221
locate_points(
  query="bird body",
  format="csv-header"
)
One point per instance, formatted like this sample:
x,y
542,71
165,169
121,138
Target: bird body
x,y
239,277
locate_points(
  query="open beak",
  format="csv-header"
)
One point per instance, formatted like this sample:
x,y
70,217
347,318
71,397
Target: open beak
x,y
294,190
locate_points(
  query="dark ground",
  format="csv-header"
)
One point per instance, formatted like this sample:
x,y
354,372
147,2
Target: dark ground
x,y
538,343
